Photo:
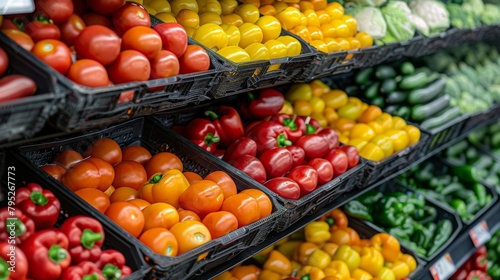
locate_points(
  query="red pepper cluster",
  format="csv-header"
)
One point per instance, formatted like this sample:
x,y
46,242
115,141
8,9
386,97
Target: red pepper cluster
x,y
35,249
475,268
291,155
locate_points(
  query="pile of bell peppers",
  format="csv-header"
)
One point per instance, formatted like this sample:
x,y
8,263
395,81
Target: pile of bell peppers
x,y
32,247
328,249
493,256
475,268
289,154
404,215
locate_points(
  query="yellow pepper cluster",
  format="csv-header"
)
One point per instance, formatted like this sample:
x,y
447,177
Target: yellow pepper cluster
x,y
238,32
375,134
325,252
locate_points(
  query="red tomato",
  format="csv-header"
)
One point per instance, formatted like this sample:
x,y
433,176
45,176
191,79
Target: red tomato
x,y
71,29
195,59
130,66
55,53
67,158
106,172
173,36
84,174
8,24
54,170
106,149
89,73
96,19
80,7
142,39
21,38
324,169
129,174
126,215
164,65
105,7
4,62
57,10
225,181
98,43
220,223
244,206
39,30
136,153
129,15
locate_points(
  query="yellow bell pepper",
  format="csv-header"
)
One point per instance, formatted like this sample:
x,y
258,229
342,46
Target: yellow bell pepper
x,y
271,27
336,268
303,251
177,5
413,134
287,108
400,269
232,19
211,35
258,51
299,91
288,248
250,33
336,277
312,18
409,260
246,271
212,6
262,256
302,108
293,45
385,143
318,104
269,275
386,274
317,232
228,6
388,245
319,258
303,32
289,17
330,115
400,139
360,274
278,263
321,119
330,248
319,88
372,260
371,151
315,273
234,54
398,122
233,34
350,257
385,120
335,98
165,187
210,17
295,267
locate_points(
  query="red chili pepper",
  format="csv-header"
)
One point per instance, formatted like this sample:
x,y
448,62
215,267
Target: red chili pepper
x,y
284,187
314,145
22,226
268,135
298,155
476,275
228,124
38,204
339,161
47,254
42,28
306,177
324,169
277,162
294,126
267,103
83,271
352,155
242,146
112,264
13,262
251,166
86,236
480,262
331,137
202,132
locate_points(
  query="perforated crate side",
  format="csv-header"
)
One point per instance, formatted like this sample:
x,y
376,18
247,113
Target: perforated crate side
x,y
323,65
481,119
444,134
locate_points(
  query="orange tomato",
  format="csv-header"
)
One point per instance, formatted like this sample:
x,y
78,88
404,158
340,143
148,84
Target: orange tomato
x,y
106,149
141,203
190,234
94,197
82,175
185,215
370,114
340,237
220,223
136,153
106,172
202,197
354,236
126,215
54,170
265,204
247,272
67,158
160,214
124,194
224,181
244,206
161,241
129,173
192,176
162,162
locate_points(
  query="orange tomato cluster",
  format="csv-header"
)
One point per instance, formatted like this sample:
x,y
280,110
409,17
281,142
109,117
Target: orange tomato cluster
x,y
153,198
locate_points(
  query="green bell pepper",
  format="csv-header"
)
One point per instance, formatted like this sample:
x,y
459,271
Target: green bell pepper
x,y
428,216
443,231
459,206
389,212
356,209
480,192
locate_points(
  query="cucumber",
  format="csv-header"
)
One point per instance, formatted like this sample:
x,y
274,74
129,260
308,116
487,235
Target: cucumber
x,y
396,97
427,93
403,112
416,80
363,76
406,68
441,119
371,92
388,86
378,101
390,109
424,111
383,72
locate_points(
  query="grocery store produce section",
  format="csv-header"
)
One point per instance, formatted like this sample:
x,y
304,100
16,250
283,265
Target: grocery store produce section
x,y
250,139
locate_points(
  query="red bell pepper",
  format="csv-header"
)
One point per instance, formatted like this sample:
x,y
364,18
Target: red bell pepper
x,y
228,124
13,262
266,103
242,146
339,161
47,254
202,132
86,236
284,187
38,204
352,155
324,169
479,261
294,126
22,226
312,125
277,162
42,28
251,166
268,135
306,177
83,271
314,146
112,265
219,153
298,155
331,137
476,275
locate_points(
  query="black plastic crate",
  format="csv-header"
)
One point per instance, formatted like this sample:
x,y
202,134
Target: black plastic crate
x,y
324,64
366,57
415,45
150,134
441,136
71,207
481,119
435,43
24,117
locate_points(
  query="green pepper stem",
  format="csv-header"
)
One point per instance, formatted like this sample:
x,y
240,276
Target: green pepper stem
x,y
282,142
38,198
93,276
89,238
4,270
19,227
212,115
251,96
330,221
156,178
211,139
44,19
310,129
306,277
111,272
290,123
57,254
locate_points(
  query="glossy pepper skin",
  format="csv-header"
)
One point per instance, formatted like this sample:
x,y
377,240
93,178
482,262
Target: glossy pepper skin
x,y
294,126
86,236
314,146
242,146
317,232
306,176
276,161
228,124
112,265
47,250
265,103
278,263
203,133
38,204
388,245
251,166
349,256
389,212
331,137
298,155
165,187
268,135
312,125
83,271
371,261
20,264
284,187
23,226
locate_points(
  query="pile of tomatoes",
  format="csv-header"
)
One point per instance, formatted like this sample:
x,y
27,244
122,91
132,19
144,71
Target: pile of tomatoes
x,y
100,43
152,197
